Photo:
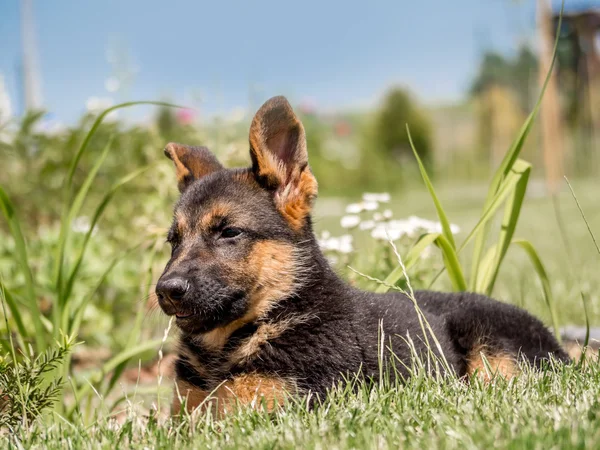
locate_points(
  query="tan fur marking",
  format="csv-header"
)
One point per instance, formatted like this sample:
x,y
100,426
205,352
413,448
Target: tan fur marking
x,y
272,266
215,339
250,390
182,222
497,363
191,358
194,161
216,211
184,391
296,185
297,204
265,332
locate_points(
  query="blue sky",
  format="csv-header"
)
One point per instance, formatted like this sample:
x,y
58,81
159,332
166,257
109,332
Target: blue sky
x,y
337,53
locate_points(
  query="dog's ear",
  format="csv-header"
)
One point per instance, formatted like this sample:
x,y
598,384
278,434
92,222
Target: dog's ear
x,y
280,160
191,163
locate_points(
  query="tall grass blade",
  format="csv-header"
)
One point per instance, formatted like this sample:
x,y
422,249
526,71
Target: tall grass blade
x,y
587,224
446,230
72,212
507,230
9,213
413,256
97,214
14,310
68,184
452,264
543,277
510,158
114,362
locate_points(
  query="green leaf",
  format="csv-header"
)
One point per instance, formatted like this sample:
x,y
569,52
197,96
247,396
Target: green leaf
x,y
509,224
14,310
411,258
111,364
70,216
446,230
452,264
68,184
97,214
9,213
73,327
480,229
509,161
543,276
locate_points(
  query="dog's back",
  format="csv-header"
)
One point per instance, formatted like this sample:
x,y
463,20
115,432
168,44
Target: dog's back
x,y
262,314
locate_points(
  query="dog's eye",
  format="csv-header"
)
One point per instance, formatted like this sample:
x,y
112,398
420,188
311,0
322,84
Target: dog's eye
x,y
173,238
230,232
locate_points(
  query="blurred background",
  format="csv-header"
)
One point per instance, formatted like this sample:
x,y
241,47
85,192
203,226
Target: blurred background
x,y
463,75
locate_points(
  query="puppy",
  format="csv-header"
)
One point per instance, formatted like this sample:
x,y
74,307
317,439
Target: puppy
x,y
262,315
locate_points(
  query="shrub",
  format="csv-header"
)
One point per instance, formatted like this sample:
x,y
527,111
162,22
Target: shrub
x,y
390,135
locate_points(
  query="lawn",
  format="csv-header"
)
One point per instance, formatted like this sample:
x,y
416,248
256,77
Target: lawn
x,y
556,409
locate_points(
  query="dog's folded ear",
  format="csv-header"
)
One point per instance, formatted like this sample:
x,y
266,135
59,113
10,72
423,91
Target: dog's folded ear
x,y
280,160
191,163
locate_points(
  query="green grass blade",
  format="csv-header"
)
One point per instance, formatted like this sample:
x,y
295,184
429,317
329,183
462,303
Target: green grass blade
x,y
14,310
543,276
97,214
446,230
96,124
510,158
68,184
70,216
452,264
73,327
413,256
507,230
9,213
111,364
485,267
587,224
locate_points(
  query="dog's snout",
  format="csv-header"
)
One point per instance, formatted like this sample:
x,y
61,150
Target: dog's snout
x,y
172,288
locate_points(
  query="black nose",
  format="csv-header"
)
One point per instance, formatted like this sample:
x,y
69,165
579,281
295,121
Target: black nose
x,y
172,288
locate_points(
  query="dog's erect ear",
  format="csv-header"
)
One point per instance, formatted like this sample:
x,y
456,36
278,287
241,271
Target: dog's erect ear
x,y
280,159
191,163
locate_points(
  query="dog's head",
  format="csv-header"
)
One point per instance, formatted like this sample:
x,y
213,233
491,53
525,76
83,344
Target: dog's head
x,y
237,234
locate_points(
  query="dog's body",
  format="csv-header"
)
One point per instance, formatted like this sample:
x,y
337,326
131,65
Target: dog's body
x,y
262,314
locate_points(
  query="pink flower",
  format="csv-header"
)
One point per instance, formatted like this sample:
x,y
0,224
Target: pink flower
x,y
185,116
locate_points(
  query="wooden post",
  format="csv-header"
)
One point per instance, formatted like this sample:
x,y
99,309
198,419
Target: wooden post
x,y
551,124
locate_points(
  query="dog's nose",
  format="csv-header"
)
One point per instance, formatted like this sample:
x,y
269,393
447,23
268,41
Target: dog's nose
x,y
172,288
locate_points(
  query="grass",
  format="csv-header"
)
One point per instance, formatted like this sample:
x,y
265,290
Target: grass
x,y
551,410
517,282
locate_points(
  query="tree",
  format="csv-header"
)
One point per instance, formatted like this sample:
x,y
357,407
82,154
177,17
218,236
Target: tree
x,y
398,110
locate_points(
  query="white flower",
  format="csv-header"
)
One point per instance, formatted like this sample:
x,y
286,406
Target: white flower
x,y
354,208
349,221
385,232
342,244
382,197
81,225
387,214
377,217
370,205
346,244
367,225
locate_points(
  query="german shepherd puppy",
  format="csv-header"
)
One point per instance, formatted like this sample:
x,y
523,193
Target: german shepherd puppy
x,y
262,315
